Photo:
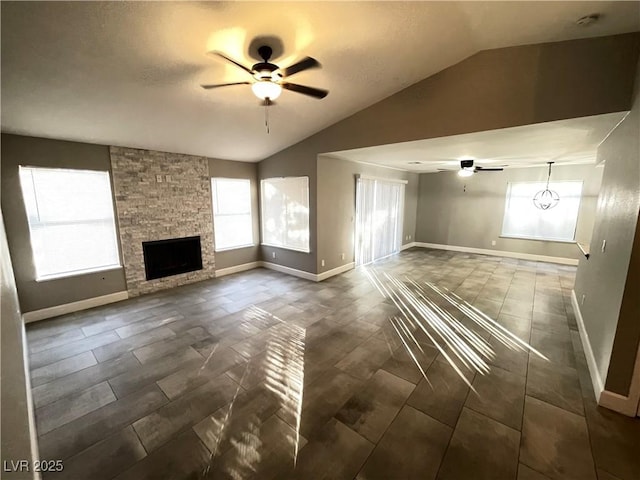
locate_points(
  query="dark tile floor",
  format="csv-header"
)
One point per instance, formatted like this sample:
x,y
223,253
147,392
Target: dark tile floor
x,y
263,375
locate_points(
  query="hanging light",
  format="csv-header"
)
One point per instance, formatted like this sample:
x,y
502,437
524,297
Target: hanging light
x,y
546,199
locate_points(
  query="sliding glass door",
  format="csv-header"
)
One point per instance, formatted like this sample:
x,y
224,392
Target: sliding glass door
x,y
379,209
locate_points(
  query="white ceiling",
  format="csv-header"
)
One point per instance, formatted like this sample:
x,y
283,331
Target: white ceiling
x,y
128,73
567,142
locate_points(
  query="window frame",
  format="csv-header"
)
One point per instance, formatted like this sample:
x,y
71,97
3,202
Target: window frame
x,y
79,272
213,212
263,217
542,239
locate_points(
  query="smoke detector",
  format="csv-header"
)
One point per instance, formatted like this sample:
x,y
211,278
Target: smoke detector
x,y
588,20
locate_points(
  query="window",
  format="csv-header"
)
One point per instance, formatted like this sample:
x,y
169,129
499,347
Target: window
x,y
379,208
232,226
71,220
523,220
285,212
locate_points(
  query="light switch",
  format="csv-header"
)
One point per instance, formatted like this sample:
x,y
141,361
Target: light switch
x,y
159,178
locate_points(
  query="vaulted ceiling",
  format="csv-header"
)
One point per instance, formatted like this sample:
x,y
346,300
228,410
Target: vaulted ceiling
x,y
129,73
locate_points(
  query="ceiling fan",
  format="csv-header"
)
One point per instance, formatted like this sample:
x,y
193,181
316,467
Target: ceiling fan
x,y
268,79
467,169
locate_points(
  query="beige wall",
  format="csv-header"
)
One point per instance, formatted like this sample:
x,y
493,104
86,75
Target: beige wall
x,y
249,171
614,332
627,338
40,152
493,89
17,420
468,212
337,202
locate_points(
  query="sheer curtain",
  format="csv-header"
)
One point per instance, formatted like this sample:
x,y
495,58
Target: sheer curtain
x,y
379,207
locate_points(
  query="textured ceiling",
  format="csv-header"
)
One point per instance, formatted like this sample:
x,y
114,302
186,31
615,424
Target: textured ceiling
x,y
567,142
128,73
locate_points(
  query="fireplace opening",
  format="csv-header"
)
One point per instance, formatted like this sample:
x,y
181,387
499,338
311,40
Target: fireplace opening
x,y
163,258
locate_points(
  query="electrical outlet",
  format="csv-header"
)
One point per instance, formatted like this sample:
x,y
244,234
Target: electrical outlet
x,y
342,256
493,243
584,297
273,254
604,244
167,178
159,178
322,263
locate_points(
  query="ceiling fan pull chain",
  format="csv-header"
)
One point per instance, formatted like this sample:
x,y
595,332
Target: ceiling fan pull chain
x,y
266,115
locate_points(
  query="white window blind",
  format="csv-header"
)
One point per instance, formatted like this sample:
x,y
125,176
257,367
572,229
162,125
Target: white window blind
x,y
523,220
231,213
285,212
71,220
379,209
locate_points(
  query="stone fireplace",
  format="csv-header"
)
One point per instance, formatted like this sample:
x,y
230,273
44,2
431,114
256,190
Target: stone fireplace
x,y
162,197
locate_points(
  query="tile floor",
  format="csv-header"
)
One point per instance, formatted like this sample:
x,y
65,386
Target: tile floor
x,y
240,376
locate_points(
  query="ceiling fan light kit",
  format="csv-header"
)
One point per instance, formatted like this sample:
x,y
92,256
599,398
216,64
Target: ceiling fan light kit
x,y
546,199
267,78
264,89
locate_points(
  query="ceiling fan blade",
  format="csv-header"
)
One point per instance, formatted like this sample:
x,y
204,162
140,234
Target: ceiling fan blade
x,y
223,56
310,91
209,87
482,169
305,64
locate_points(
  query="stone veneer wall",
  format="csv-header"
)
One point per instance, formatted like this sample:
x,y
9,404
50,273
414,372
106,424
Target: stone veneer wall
x,y
147,210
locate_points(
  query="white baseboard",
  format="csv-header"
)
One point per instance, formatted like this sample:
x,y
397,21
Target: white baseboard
x,y
619,403
335,271
33,432
290,271
408,245
236,268
306,275
58,310
596,380
627,405
500,253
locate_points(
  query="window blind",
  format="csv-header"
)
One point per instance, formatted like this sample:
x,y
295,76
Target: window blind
x,y
285,212
71,220
523,220
233,227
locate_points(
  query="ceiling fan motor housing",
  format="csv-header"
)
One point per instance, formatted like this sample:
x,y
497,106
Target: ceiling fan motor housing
x,y
264,70
466,163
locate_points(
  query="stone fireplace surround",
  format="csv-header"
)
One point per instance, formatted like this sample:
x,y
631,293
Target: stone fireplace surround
x,y
161,195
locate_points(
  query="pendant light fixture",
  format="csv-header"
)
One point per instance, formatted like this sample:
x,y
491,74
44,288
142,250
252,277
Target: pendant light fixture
x,y
546,199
